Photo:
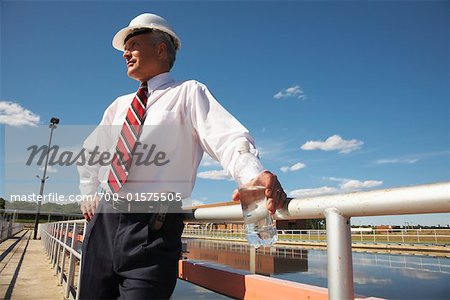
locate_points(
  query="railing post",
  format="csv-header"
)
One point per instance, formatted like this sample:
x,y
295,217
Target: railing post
x,y
71,268
9,233
58,247
252,260
80,265
339,250
54,234
44,231
50,240
66,235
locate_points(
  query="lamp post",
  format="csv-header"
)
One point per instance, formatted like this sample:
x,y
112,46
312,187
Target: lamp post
x,y
53,122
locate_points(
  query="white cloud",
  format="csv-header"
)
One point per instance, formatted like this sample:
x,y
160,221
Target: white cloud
x,y
336,179
13,114
324,190
196,202
189,202
50,169
334,143
207,161
291,92
353,185
397,161
294,167
214,175
345,186
412,158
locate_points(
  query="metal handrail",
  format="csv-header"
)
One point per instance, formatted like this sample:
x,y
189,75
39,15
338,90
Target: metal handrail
x,y
420,199
55,237
426,236
9,229
337,209
30,211
66,247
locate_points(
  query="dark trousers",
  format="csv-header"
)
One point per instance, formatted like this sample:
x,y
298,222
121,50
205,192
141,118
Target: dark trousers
x,y
124,259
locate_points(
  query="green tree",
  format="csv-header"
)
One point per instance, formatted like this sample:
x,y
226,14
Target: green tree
x,y
315,224
2,205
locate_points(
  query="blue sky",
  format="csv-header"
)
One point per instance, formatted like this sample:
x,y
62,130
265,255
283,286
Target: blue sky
x,y
340,96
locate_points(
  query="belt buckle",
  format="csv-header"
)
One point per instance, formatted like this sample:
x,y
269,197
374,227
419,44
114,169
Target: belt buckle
x,y
119,205
130,206
114,205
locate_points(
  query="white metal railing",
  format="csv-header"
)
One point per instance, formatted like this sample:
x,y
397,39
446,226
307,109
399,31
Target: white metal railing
x,y
226,234
8,218
337,210
8,225
61,242
428,236
9,229
379,236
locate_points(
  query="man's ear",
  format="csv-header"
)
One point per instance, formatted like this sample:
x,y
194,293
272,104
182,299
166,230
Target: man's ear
x,y
162,49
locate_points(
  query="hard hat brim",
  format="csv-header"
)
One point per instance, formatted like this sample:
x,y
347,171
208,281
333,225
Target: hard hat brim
x,y
120,36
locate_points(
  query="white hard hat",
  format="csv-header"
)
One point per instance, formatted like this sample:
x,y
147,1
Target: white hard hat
x,y
146,20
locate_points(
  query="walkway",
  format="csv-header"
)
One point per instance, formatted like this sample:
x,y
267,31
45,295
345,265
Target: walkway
x,y
25,271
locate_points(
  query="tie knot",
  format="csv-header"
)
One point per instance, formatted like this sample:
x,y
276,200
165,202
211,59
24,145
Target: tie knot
x,y
143,90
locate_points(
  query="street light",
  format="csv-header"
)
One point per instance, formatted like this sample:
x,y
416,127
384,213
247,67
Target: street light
x,y
53,122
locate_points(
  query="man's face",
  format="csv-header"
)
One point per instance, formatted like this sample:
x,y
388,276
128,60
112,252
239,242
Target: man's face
x,y
143,59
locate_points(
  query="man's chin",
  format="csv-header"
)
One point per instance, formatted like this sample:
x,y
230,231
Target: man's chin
x,y
132,74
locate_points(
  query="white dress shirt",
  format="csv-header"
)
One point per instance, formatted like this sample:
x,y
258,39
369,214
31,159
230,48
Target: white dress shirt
x,y
183,120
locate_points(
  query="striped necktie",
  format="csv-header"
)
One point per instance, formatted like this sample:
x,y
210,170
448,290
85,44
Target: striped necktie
x,y
126,144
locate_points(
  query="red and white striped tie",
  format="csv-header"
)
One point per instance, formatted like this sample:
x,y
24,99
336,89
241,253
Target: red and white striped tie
x,y
126,143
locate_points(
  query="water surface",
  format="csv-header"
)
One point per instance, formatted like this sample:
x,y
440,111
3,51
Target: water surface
x,y
382,275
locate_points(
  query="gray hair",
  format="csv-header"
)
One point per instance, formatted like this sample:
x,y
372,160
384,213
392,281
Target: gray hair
x,y
159,37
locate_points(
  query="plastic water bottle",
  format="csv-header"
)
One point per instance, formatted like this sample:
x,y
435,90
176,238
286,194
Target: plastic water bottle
x,y
258,221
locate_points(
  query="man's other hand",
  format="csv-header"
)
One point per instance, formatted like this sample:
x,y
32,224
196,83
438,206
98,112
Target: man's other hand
x,y
88,207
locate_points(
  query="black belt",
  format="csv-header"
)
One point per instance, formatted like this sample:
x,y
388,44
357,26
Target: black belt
x,y
157,209
124,206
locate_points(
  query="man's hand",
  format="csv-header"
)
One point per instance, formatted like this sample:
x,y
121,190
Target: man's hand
x,y
88,207
276,197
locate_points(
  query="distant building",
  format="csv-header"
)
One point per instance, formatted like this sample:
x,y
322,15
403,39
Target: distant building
x,y
291,224
280,224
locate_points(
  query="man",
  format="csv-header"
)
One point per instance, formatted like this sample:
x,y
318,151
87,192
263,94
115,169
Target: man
x,y
131,249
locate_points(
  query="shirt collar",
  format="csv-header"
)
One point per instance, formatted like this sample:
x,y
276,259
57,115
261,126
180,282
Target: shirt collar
x,y
159,80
